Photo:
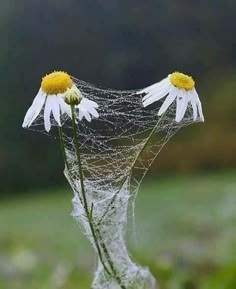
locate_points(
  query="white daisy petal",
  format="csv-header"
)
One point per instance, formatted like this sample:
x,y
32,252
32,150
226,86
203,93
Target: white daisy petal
x,y
168,101
152,99
47,114
91,102
55,108
84,113
153,89
194,106
87,109
158,85
163,85
34,110
199,105
197,109
147,89
31,111
181,106
93,111
156,94
87,116
65,108
81,113
83,103
184,107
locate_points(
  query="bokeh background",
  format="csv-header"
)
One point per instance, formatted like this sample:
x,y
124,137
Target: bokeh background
x,y
186,209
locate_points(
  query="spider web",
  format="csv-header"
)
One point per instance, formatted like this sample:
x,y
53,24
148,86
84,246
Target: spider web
x,y
116,152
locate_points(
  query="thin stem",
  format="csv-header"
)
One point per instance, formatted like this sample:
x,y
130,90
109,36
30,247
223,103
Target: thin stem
x,y
116,194
89,213
131,169
109,260
63,150
145,145
85,203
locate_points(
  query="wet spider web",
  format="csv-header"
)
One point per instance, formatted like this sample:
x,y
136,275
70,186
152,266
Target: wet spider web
x,y
116,150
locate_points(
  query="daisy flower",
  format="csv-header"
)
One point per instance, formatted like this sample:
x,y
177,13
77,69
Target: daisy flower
x,y
177,87
56,95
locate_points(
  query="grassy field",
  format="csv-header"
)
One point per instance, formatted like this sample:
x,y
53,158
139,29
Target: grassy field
x,y
185,233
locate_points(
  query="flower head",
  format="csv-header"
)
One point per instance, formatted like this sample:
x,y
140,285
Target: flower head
x,y
177,87
182,81
56,82
72,96
56,94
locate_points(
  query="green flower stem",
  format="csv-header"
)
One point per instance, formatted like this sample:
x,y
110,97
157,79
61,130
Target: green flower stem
x,y
109,260
63,150
85,203
145,145
131,169
94,230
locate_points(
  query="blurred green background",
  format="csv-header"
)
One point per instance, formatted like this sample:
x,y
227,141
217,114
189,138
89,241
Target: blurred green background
x,y
186,216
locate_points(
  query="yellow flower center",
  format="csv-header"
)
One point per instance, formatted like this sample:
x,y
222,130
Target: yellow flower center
x,y
182,81
56,82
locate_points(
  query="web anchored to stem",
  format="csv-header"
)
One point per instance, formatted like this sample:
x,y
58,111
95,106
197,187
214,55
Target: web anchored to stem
x,y
106,160
116,151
